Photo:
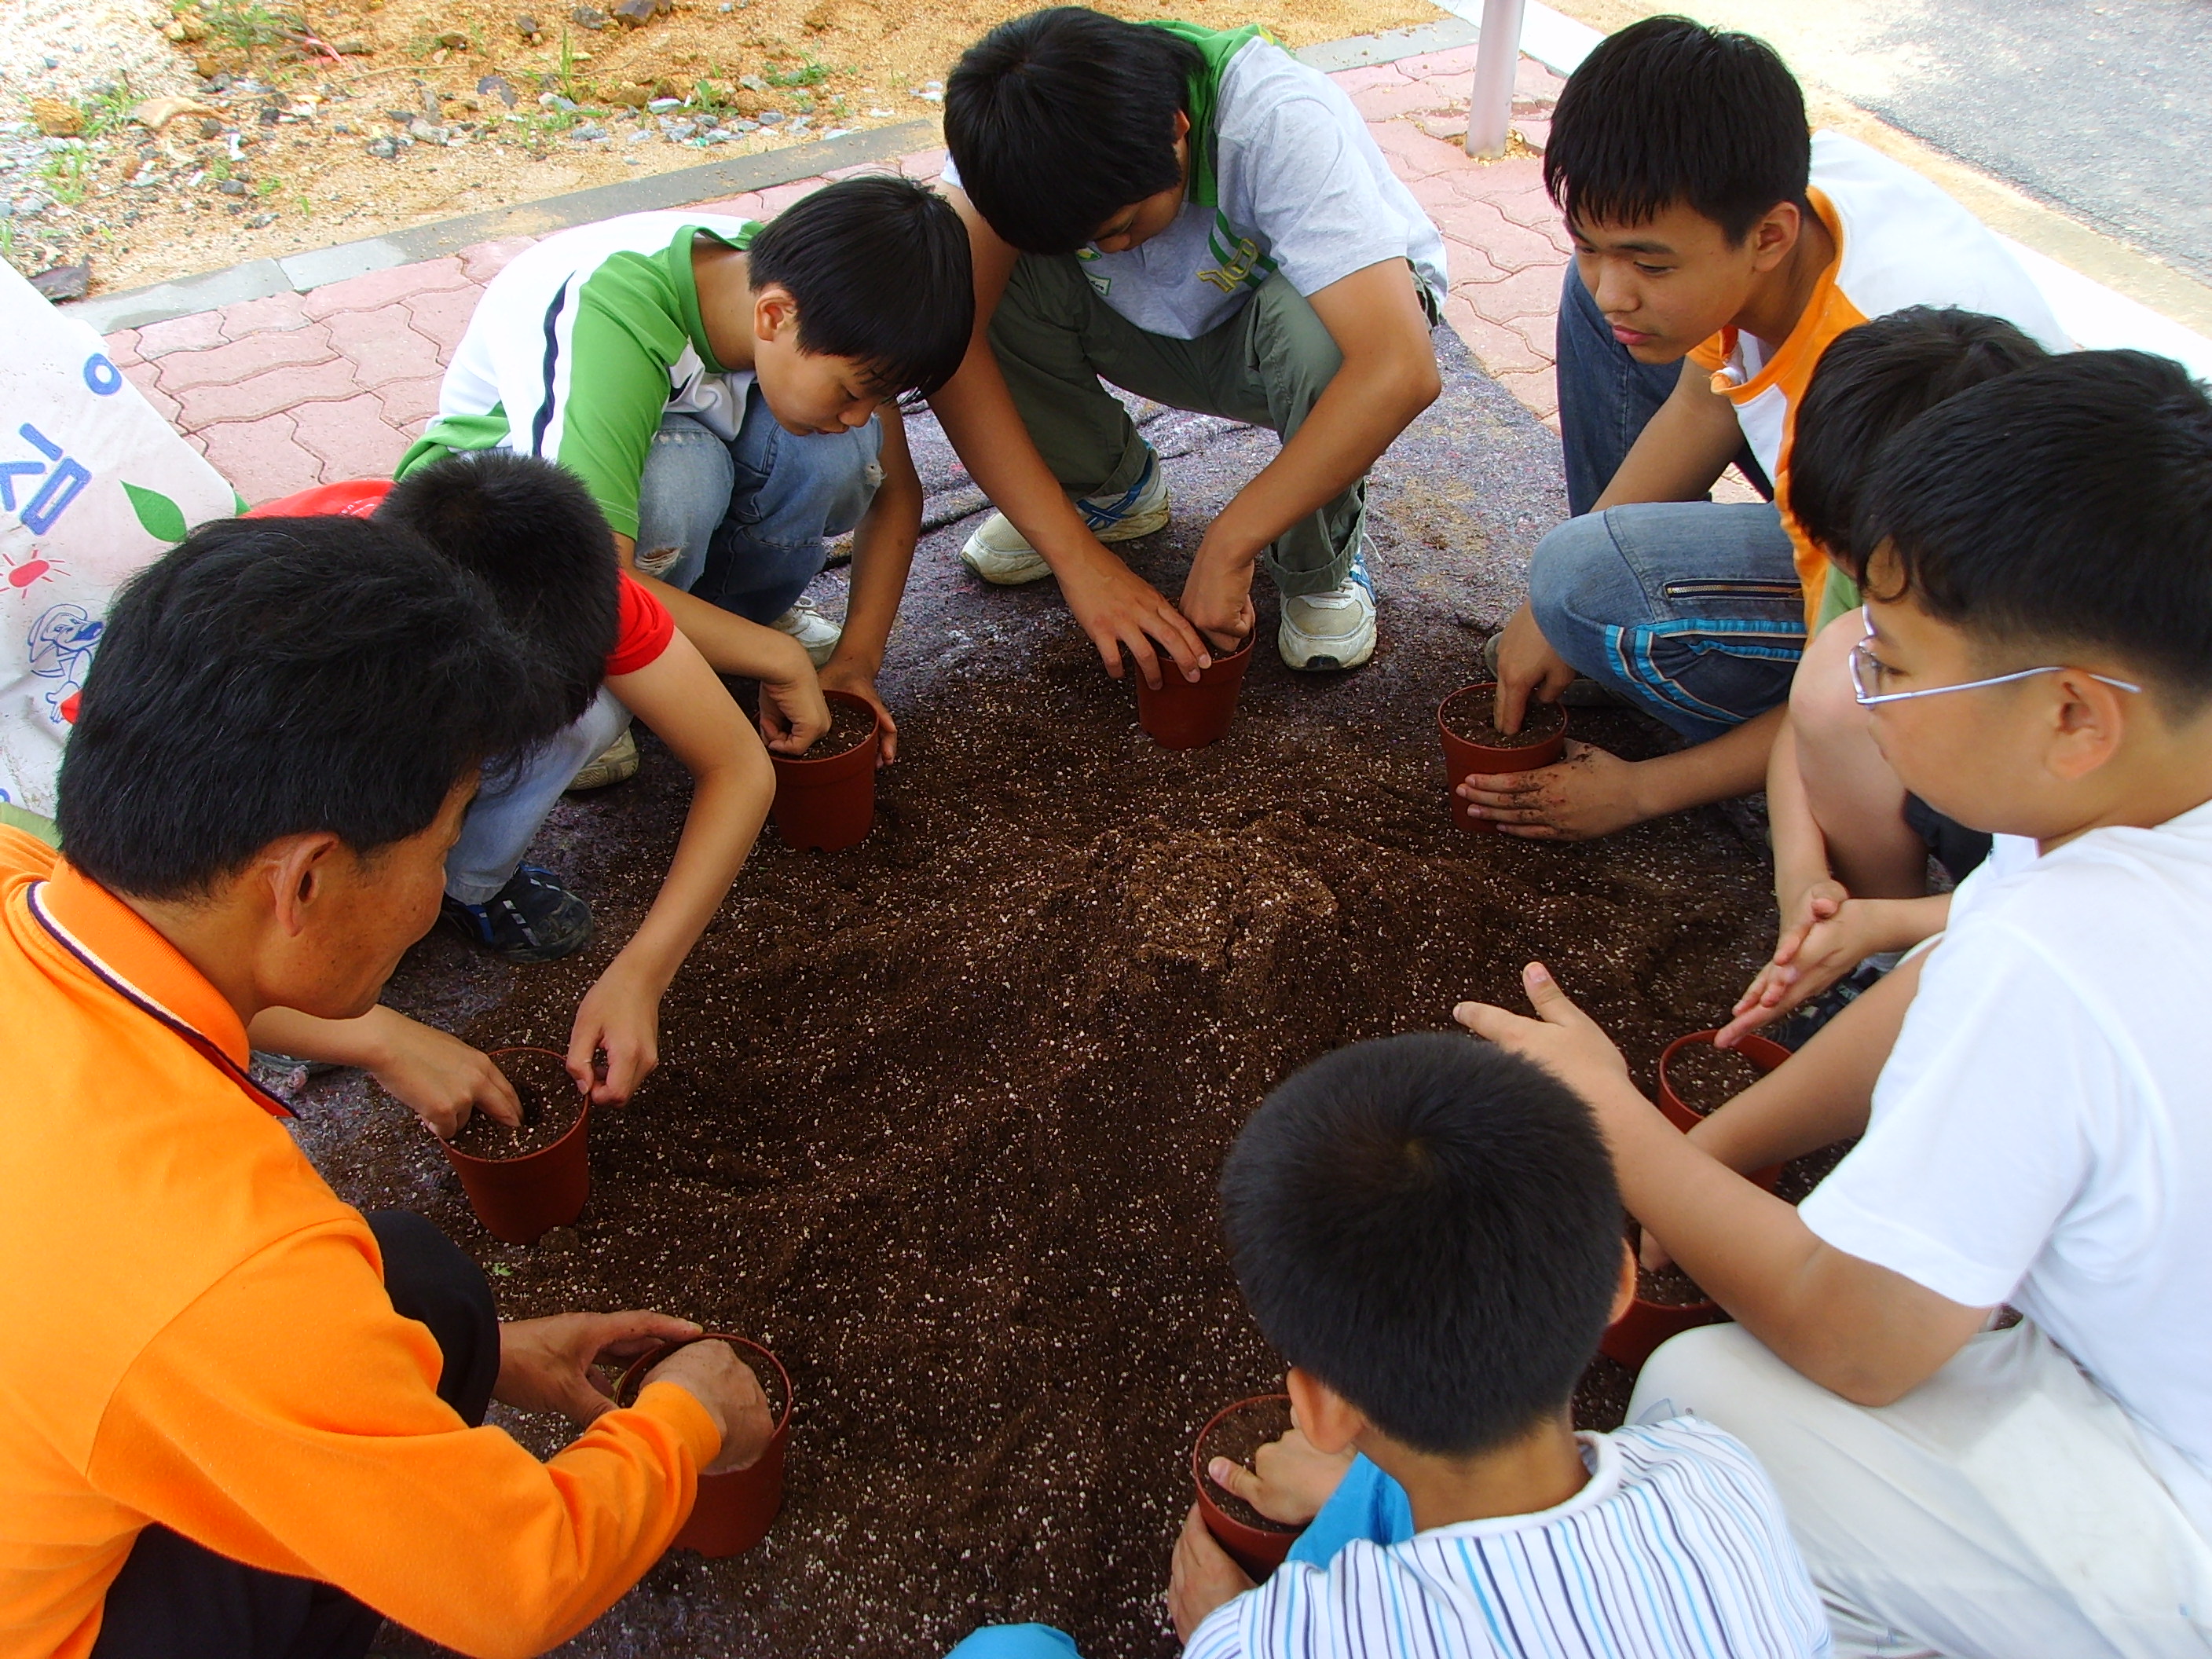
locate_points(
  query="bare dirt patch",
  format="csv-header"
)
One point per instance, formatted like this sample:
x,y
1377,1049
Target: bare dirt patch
x,y
332,122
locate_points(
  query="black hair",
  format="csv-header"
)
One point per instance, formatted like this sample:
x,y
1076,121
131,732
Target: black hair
x,y
1058,120
1667,111
1869,384
532,532
1429,1225
276,677
2067,505
879,267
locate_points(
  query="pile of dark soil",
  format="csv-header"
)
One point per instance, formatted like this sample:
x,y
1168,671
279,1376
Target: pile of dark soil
x,y
551,1106
1705,1079
940,1118
1472,721
1669,1287
1235,1438
850,727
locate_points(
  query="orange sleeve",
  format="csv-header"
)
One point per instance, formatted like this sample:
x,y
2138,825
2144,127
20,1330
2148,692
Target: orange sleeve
x,y
288,1418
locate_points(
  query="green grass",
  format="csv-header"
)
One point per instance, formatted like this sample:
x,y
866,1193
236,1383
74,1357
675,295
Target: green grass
x,y
810,73
245,25
104,113
67,174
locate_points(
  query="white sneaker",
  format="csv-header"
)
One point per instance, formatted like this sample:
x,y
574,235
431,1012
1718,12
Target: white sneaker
x,y
998,553
1334,630
813,630
618,764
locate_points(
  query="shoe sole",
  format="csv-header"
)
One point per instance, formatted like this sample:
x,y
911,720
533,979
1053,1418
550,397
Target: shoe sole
x,y
596,776
528,955
984,560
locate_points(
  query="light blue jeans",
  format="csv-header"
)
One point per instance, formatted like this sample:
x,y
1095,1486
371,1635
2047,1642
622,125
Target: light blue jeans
x,y
1690,610
1367,1503
743,524
503,819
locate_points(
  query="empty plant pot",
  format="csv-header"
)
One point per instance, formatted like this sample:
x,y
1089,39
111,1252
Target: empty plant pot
x,y
1473,743
1187,715
1631,1338
735,1508
826,798
519,1193
1685,1095
1253,1542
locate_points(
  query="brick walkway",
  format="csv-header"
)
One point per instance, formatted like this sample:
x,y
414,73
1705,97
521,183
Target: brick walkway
x,y
301,389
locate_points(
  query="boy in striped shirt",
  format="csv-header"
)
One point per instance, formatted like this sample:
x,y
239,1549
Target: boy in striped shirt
x,y
1428,1230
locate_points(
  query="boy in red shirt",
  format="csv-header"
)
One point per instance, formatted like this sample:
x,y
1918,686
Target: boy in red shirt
x,y
532,532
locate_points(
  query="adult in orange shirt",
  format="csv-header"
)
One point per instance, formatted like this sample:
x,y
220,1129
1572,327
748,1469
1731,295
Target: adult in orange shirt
x,y
236,1416
1719,247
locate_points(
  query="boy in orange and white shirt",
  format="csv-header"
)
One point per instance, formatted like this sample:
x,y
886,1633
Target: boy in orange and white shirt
x,y
1719,247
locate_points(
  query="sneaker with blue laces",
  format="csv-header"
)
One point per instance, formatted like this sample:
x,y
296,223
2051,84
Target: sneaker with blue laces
x,y
533,919
1000,554
1335,628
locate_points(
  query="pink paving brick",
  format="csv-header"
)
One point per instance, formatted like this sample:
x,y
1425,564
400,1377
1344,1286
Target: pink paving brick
x,y
1533,291
1441,65
485,260
227,364
265,395
1413,154
922,164
123,348
352,440
747,206
383,346
1508,246
1407,98
865,169
1530,208
147,378
1466,262
1498,349
380,287
1536,391
776,197
197,332
409,405
1368,75
260,458
444,316
276,314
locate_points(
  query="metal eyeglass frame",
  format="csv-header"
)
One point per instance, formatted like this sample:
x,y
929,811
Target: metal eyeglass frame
x,y
1863,659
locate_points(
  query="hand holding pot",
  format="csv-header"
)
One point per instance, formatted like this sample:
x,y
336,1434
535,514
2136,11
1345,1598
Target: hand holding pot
x,y
1289,1479
1217,598
546,1365
712,1374
1202,1578
441,1079
792,710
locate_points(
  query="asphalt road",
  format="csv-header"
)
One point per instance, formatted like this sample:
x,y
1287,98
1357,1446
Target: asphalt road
x,y
2102,108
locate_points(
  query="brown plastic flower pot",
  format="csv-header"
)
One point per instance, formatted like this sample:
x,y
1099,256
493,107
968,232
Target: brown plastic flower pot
x,y
829,801
735,1508
1763,1052
1187,715
519,1199
1464,759
1259,1550
1631,1338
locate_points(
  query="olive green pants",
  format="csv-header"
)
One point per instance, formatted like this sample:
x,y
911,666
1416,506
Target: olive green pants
x,y
1055,340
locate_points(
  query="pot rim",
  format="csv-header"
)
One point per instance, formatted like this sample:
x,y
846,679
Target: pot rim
x,y
875,733
645,1361
1488,749
583,1112
1198,1474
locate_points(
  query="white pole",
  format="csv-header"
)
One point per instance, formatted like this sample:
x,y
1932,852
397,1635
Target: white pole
x,y
1498,54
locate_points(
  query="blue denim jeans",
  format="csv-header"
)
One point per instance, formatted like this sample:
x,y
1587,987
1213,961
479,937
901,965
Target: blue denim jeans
x,y
503,818
1690,610
742,523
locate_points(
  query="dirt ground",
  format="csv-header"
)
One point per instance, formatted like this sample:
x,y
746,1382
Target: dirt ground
x,y
939,1117
344,118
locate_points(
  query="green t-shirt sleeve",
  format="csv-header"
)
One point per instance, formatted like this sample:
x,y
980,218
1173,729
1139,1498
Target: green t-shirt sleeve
x,y
609,402
1839,594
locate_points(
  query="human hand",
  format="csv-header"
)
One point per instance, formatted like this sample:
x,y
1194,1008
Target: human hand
x,y
1527,666
1120,611
844,675
441,1079
1820,942
712,1374
1202,1578
620,1018
1217,598
546,1365
1289,1481
1562,1039
792,710
1590,794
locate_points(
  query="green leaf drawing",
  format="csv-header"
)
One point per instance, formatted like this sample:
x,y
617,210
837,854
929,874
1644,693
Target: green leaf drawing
x,y
161,517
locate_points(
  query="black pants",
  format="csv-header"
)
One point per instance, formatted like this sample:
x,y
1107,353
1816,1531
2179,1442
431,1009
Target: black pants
x,y
175,1600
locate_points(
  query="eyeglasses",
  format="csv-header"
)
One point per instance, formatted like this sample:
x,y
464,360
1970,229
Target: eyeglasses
x,y
1867,670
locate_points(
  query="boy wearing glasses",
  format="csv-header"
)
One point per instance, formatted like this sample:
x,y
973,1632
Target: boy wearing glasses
x,y
2038,664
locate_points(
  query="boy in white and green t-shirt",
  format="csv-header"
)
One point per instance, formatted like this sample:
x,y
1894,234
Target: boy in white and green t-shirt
x,y
1201,219
727,391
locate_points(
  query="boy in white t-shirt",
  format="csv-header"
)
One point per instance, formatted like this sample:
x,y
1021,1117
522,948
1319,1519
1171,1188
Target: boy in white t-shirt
x,y
1718,249
1427,1229
1196,217
2038,665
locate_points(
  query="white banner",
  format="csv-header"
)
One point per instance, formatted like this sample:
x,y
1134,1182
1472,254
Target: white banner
x,y
93,486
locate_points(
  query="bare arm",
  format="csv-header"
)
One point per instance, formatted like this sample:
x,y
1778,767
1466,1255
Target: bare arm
x,y
732,784
439,1078
1388,378
883,554
1861,1330
1593,792
1118,609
